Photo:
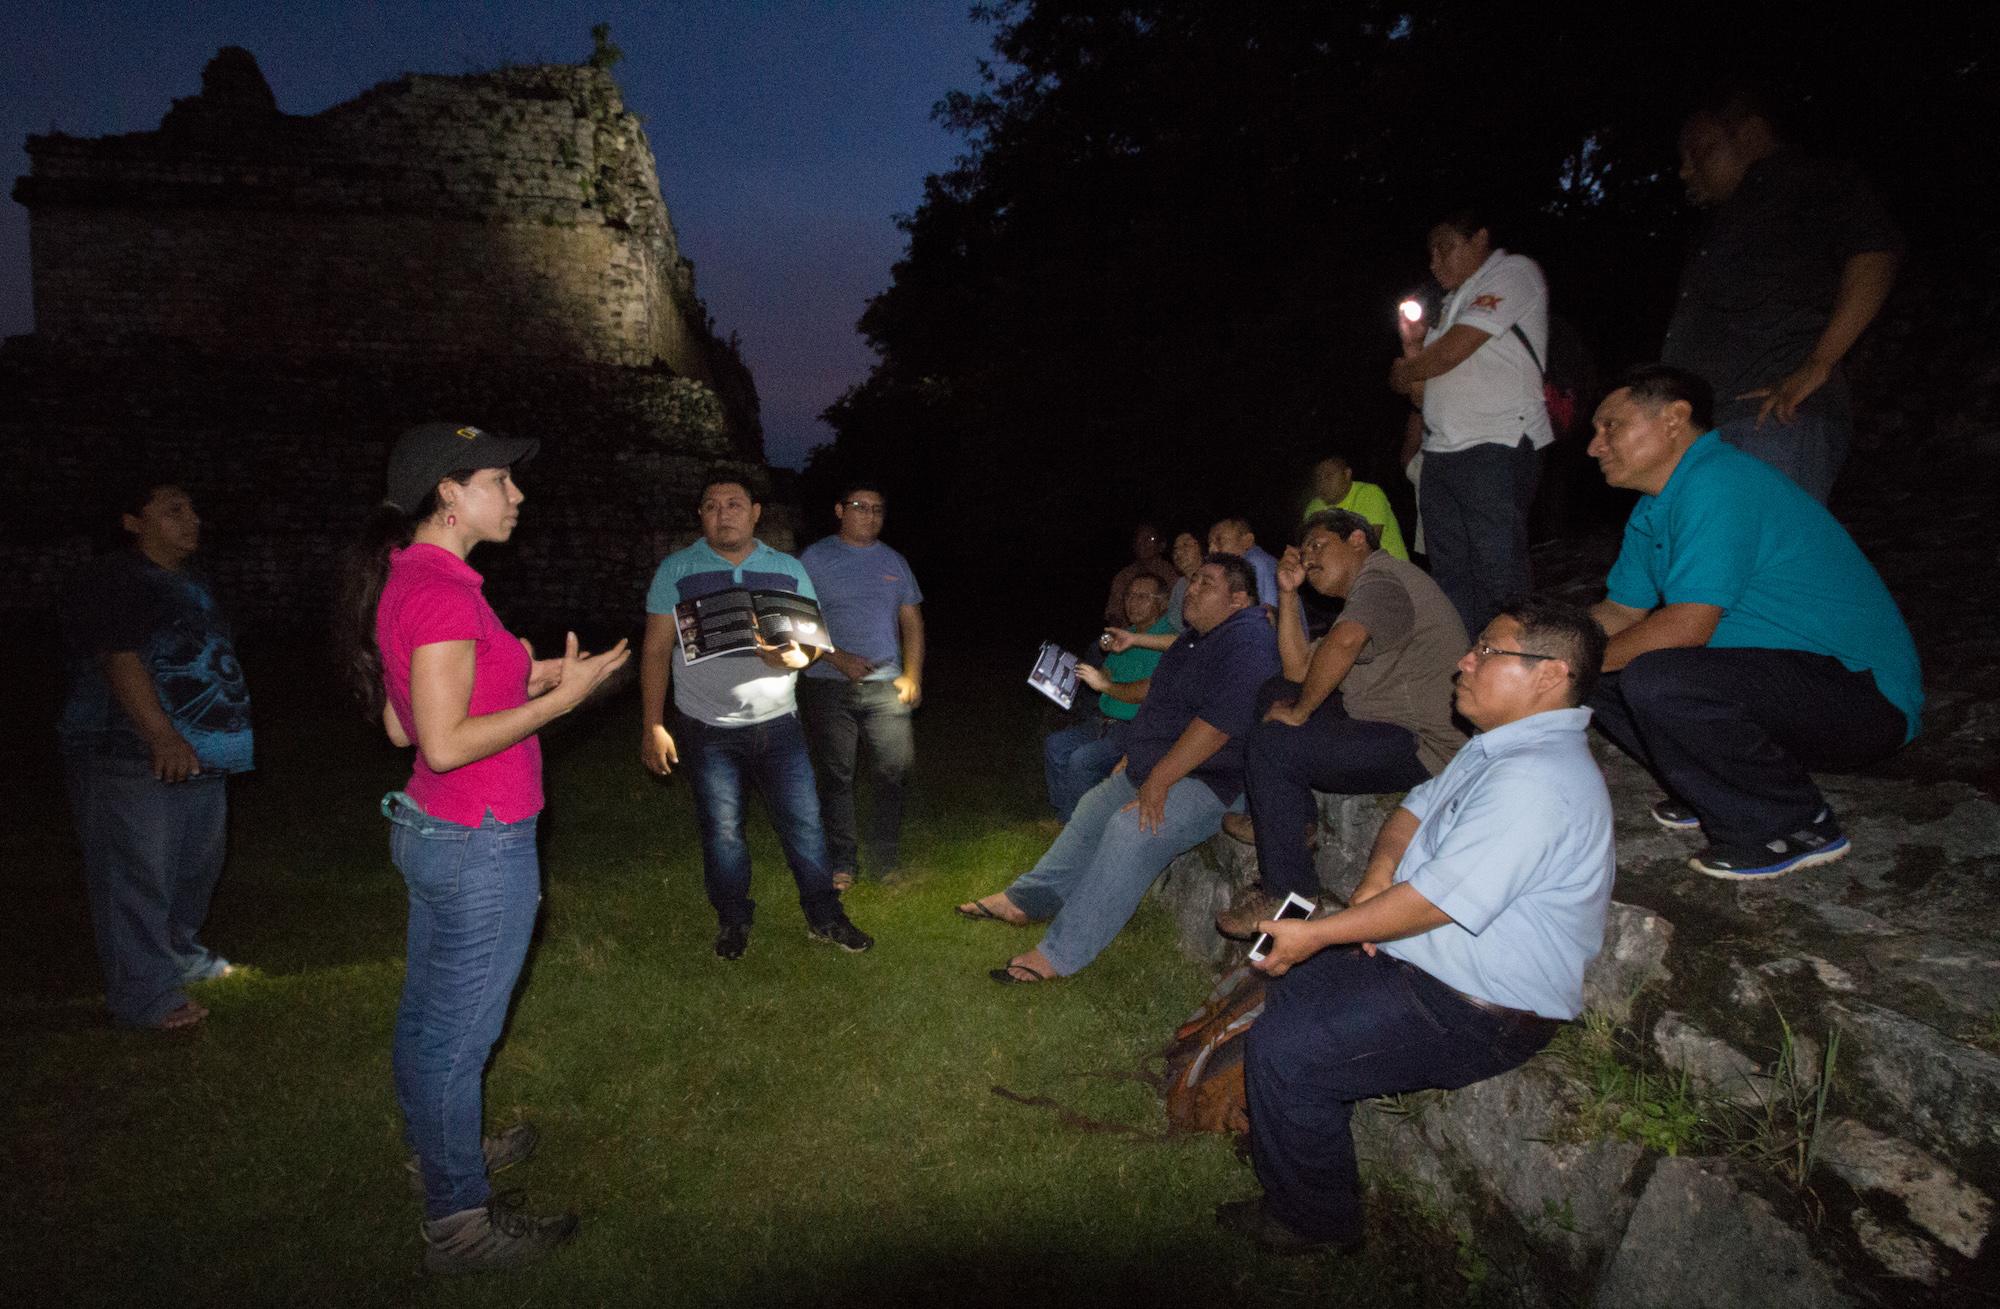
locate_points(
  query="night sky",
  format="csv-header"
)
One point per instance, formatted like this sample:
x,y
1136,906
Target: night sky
x,y
787,134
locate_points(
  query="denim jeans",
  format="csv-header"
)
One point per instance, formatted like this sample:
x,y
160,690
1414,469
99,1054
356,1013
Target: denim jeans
x,y
1094,875
1732,732
1078,757
1475,506
152,853
1810,449
1331,752
1342,1027
474,893
721,763
839,716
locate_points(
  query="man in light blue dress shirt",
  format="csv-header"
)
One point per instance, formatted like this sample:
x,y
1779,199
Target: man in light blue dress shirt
x,y
1463,950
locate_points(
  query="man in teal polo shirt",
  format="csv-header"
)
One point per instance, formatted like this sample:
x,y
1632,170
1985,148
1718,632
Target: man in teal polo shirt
x,y
1078,757
1751,640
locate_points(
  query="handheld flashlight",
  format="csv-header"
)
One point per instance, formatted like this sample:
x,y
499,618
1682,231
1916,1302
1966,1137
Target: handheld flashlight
x,y
1411,310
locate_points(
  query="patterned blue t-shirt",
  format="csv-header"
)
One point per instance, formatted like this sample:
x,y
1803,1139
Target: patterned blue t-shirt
x,y
732,690
125,602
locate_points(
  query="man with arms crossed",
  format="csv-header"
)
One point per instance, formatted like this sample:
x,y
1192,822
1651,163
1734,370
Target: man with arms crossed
x,y
1464,948
1750,638
866,689
734,717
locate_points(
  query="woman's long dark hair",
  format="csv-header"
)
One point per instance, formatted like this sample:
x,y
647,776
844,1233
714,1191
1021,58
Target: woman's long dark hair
x,y
364,569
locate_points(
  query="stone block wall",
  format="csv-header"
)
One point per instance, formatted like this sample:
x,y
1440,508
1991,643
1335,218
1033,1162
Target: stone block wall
x,y
515,213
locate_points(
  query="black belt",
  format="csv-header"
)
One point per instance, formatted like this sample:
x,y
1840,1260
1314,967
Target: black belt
x,y
1518,1017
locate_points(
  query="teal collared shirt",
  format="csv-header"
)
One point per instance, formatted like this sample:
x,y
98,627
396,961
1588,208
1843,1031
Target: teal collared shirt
x,y
1513,841
1731,531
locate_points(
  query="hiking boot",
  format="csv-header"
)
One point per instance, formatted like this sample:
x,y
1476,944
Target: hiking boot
x,y
839,931
1819,843
1239,923
1250,1218
495,1236
731,940
502,1150
1676,816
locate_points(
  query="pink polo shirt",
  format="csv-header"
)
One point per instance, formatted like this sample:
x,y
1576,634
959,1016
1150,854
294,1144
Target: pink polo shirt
x,y
432,595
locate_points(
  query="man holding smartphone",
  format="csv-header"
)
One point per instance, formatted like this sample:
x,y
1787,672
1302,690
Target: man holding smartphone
x,y
1463,950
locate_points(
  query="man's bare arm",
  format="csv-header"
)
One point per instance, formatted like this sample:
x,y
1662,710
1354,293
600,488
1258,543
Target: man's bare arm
x,y
1670,627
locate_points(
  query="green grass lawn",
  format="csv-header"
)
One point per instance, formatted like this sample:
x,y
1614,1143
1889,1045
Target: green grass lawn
x,y
804,1126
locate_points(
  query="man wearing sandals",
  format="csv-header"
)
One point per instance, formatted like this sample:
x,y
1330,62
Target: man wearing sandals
x,y
1463,949
156,719
1183,768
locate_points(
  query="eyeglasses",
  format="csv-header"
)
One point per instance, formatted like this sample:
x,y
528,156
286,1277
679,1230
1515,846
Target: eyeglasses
x,y
1482,651
866,507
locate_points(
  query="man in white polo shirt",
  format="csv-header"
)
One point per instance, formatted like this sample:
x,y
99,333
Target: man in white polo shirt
x,y
1477,372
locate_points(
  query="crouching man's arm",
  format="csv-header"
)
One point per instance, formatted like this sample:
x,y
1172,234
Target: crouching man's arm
x,y
1634,632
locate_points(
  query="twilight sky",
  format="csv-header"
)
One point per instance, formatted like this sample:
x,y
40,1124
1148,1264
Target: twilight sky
x,y
787,131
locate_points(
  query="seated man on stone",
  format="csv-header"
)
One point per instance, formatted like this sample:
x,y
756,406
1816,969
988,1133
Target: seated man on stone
x,y
1148,559
1183,767
1078,757
1750,638
1334,487
1366,710
1464,948
1233,536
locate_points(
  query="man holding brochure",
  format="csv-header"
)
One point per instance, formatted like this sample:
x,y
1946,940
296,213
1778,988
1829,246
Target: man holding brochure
x,y
735,723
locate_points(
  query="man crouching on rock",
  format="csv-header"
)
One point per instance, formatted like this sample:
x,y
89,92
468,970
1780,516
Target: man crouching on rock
x,y
1463,950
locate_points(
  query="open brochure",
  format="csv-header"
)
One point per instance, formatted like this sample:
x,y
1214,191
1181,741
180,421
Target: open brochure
x,y
730,621
1054,674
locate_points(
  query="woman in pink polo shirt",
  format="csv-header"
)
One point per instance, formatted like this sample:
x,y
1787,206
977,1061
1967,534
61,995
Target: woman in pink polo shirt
x,y
424,649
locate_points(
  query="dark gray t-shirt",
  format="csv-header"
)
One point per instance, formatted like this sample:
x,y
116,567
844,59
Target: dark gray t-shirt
x,y
1403,674
1759,287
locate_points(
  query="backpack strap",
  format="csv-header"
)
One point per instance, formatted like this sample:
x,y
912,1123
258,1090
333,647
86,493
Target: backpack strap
x,y
1530,346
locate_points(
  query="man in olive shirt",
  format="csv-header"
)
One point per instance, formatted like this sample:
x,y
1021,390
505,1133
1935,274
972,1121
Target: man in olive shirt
x,y
1368,710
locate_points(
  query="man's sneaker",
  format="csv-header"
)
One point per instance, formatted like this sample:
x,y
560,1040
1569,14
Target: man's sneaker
x,y
503,1150
1240,922
839,931
1675,816
731,940
1250,1218
1820,843
496,1236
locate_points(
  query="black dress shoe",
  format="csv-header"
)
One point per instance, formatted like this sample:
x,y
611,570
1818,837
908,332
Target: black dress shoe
x,y
731,940
1250,1218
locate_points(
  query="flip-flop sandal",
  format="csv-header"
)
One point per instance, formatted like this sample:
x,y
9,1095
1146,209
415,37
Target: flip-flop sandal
x,y
843,881
1005,976
181,1017
979,913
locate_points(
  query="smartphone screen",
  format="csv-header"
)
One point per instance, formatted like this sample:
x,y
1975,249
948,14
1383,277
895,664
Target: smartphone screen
x,y
1295,906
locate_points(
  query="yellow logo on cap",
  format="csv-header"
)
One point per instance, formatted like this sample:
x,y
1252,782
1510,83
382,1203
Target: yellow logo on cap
x,y
468,433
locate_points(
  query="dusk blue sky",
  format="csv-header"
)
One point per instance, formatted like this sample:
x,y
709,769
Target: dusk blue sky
x,y
788,133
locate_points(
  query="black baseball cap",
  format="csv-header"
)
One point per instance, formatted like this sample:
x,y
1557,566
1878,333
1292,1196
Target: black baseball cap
x,y
427,453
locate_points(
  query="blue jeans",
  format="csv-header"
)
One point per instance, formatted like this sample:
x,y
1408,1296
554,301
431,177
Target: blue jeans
x,y
152,853
474,893
839,716
1810,449
1475,506
1078,757
1343,1027
721,763
1092,878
